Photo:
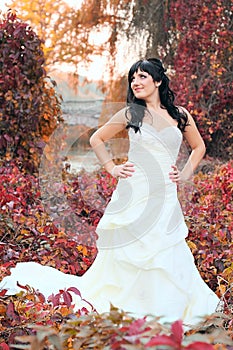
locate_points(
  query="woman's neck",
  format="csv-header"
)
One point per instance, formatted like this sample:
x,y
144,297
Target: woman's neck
x,y
154,103
156,107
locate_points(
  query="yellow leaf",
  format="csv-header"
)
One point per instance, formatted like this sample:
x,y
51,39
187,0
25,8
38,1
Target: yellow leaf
x,y
192,245
222,289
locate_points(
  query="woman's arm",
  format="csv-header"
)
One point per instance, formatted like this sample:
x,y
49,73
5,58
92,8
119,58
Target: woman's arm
x,y
116,124
198,148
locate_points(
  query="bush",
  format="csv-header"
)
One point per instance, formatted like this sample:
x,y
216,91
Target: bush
x,y
208,210
28,233
36,324
29,107
202,45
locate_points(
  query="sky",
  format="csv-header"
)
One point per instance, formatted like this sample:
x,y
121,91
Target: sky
x,y
2,5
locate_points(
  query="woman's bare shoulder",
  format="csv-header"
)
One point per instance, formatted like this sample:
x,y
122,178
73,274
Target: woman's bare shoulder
x,y
187,113
183,110
120,116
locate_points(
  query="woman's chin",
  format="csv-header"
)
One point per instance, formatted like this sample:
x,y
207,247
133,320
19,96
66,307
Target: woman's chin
x,y
139,95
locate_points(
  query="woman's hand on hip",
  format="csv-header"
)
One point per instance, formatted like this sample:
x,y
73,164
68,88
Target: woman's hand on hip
x,y
174,175
123,170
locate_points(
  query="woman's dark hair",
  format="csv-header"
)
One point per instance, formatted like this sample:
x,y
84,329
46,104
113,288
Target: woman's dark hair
x,y
153,67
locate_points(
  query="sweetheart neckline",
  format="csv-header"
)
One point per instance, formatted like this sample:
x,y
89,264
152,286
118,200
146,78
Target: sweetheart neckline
x,y
161,130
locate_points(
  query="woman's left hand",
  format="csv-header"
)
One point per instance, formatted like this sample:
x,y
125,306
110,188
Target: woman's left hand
x,y
174,175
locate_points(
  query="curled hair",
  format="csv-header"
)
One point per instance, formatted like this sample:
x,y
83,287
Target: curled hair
x,y
153,67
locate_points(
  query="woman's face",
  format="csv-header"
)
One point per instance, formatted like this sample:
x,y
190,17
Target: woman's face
x,y
143,86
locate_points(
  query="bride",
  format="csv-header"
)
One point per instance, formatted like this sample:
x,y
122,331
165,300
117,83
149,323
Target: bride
x,y
144,265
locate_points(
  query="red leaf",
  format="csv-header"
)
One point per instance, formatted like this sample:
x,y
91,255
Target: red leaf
x,y
41,297
3,292
23,287
177,332
161,340
136,326
54,299
67,298
4,346
75,291
84,311
11,313
7,137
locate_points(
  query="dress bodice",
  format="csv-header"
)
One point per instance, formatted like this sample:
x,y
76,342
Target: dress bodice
x,y
165,142
151,149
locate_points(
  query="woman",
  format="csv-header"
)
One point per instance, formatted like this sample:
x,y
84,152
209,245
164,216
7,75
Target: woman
x,y
144,264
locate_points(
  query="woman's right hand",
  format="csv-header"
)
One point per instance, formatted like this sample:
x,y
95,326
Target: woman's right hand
x,y
123,170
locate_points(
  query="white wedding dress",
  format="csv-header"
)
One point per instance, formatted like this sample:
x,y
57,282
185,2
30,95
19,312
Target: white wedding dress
x,y
144,265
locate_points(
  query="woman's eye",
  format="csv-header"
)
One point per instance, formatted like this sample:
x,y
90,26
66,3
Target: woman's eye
x,y
141,76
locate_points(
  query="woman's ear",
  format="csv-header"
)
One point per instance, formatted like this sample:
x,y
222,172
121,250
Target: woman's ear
x,y
158,83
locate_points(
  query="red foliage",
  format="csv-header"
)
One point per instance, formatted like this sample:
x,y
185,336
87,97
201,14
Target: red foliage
x,y
29,317
17,313
29,106
209,214
29,234
202,41
175,339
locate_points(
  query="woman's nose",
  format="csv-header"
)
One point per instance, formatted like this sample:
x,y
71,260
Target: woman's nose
x,y
135,82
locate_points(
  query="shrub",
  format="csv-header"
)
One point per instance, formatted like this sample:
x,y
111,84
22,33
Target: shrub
x,y
35,323
208,210
202,45
29,107
28,233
